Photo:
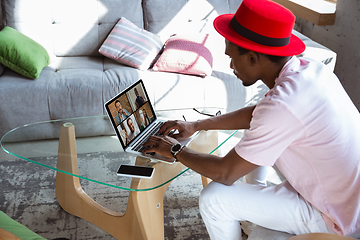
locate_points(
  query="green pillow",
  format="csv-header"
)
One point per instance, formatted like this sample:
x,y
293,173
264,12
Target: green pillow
x,y
22,232
22,54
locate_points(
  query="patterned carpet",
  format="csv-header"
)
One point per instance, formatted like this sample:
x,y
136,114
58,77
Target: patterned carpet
x,y
27,195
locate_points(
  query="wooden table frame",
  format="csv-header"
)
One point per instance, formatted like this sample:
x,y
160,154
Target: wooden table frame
x,y
144,216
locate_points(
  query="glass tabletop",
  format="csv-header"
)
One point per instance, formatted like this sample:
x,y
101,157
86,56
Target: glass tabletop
x,y
100,156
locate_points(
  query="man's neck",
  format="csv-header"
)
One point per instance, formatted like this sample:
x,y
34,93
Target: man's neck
x,y
272,71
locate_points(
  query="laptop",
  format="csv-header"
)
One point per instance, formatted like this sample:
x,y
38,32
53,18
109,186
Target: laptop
x,y
134,120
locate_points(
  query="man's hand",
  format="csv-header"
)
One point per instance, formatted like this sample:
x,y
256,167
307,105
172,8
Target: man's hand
x,y
123,112
185,129
160,144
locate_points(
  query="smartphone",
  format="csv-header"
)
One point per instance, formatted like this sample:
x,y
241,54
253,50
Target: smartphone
x,y
135,171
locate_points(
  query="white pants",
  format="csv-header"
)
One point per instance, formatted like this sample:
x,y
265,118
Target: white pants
x,y
277,207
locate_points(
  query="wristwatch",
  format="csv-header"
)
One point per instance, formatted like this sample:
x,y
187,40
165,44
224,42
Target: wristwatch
x,y
176,148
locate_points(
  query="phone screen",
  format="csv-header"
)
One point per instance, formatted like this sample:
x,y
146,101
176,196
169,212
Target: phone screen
x,y
135,171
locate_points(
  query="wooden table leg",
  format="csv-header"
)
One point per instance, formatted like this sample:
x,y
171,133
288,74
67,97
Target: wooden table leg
x,y
144,216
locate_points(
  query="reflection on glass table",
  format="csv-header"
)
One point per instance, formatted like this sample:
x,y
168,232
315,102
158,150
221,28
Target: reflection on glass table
x,y
81,157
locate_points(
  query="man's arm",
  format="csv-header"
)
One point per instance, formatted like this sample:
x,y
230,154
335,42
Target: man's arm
x,y
125,112
225,170
239,119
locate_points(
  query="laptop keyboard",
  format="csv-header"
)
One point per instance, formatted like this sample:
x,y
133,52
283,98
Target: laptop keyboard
x,y
139,146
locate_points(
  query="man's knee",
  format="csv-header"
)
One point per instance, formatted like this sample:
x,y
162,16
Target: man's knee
x,y
205,198
209,195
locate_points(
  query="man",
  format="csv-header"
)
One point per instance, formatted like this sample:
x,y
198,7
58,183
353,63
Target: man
x,y
306,125
139,101
121,114
134,131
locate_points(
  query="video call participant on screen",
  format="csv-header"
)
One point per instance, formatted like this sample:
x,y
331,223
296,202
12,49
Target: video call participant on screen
x,y
121,114
145,121
133,130
139,101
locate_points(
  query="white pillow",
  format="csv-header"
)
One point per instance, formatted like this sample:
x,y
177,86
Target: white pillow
x,y
130,45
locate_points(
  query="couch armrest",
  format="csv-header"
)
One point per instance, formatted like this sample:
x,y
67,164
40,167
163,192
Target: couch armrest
x,y
317,51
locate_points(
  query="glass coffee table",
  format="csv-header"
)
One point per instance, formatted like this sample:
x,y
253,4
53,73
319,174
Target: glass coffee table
x,y
144,216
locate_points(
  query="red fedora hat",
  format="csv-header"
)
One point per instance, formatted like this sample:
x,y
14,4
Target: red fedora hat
x,y
261,26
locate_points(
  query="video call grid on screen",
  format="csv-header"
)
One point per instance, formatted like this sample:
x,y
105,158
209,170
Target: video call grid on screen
x,y
136,112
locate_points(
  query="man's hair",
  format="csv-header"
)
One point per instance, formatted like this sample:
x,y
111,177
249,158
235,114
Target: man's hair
x,y
272,58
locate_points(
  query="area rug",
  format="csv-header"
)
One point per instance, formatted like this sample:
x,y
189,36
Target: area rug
x,y
27,195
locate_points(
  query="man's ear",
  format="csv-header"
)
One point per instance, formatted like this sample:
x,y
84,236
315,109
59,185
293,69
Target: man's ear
x,y
253,58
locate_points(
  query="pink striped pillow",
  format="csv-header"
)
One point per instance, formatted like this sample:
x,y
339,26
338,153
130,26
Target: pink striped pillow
x,y
130,45
186,54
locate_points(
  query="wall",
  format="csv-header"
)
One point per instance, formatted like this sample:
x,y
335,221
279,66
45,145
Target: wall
x,y
343,38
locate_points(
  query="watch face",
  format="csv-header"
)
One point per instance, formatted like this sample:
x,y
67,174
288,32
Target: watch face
x,y
176,147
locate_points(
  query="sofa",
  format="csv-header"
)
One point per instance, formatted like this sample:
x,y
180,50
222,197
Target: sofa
x,y
79,80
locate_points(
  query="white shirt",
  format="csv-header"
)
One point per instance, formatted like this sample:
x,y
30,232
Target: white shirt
x,y
308,126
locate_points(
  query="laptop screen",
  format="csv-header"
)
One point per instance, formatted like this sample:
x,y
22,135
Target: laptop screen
x,y
130,112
